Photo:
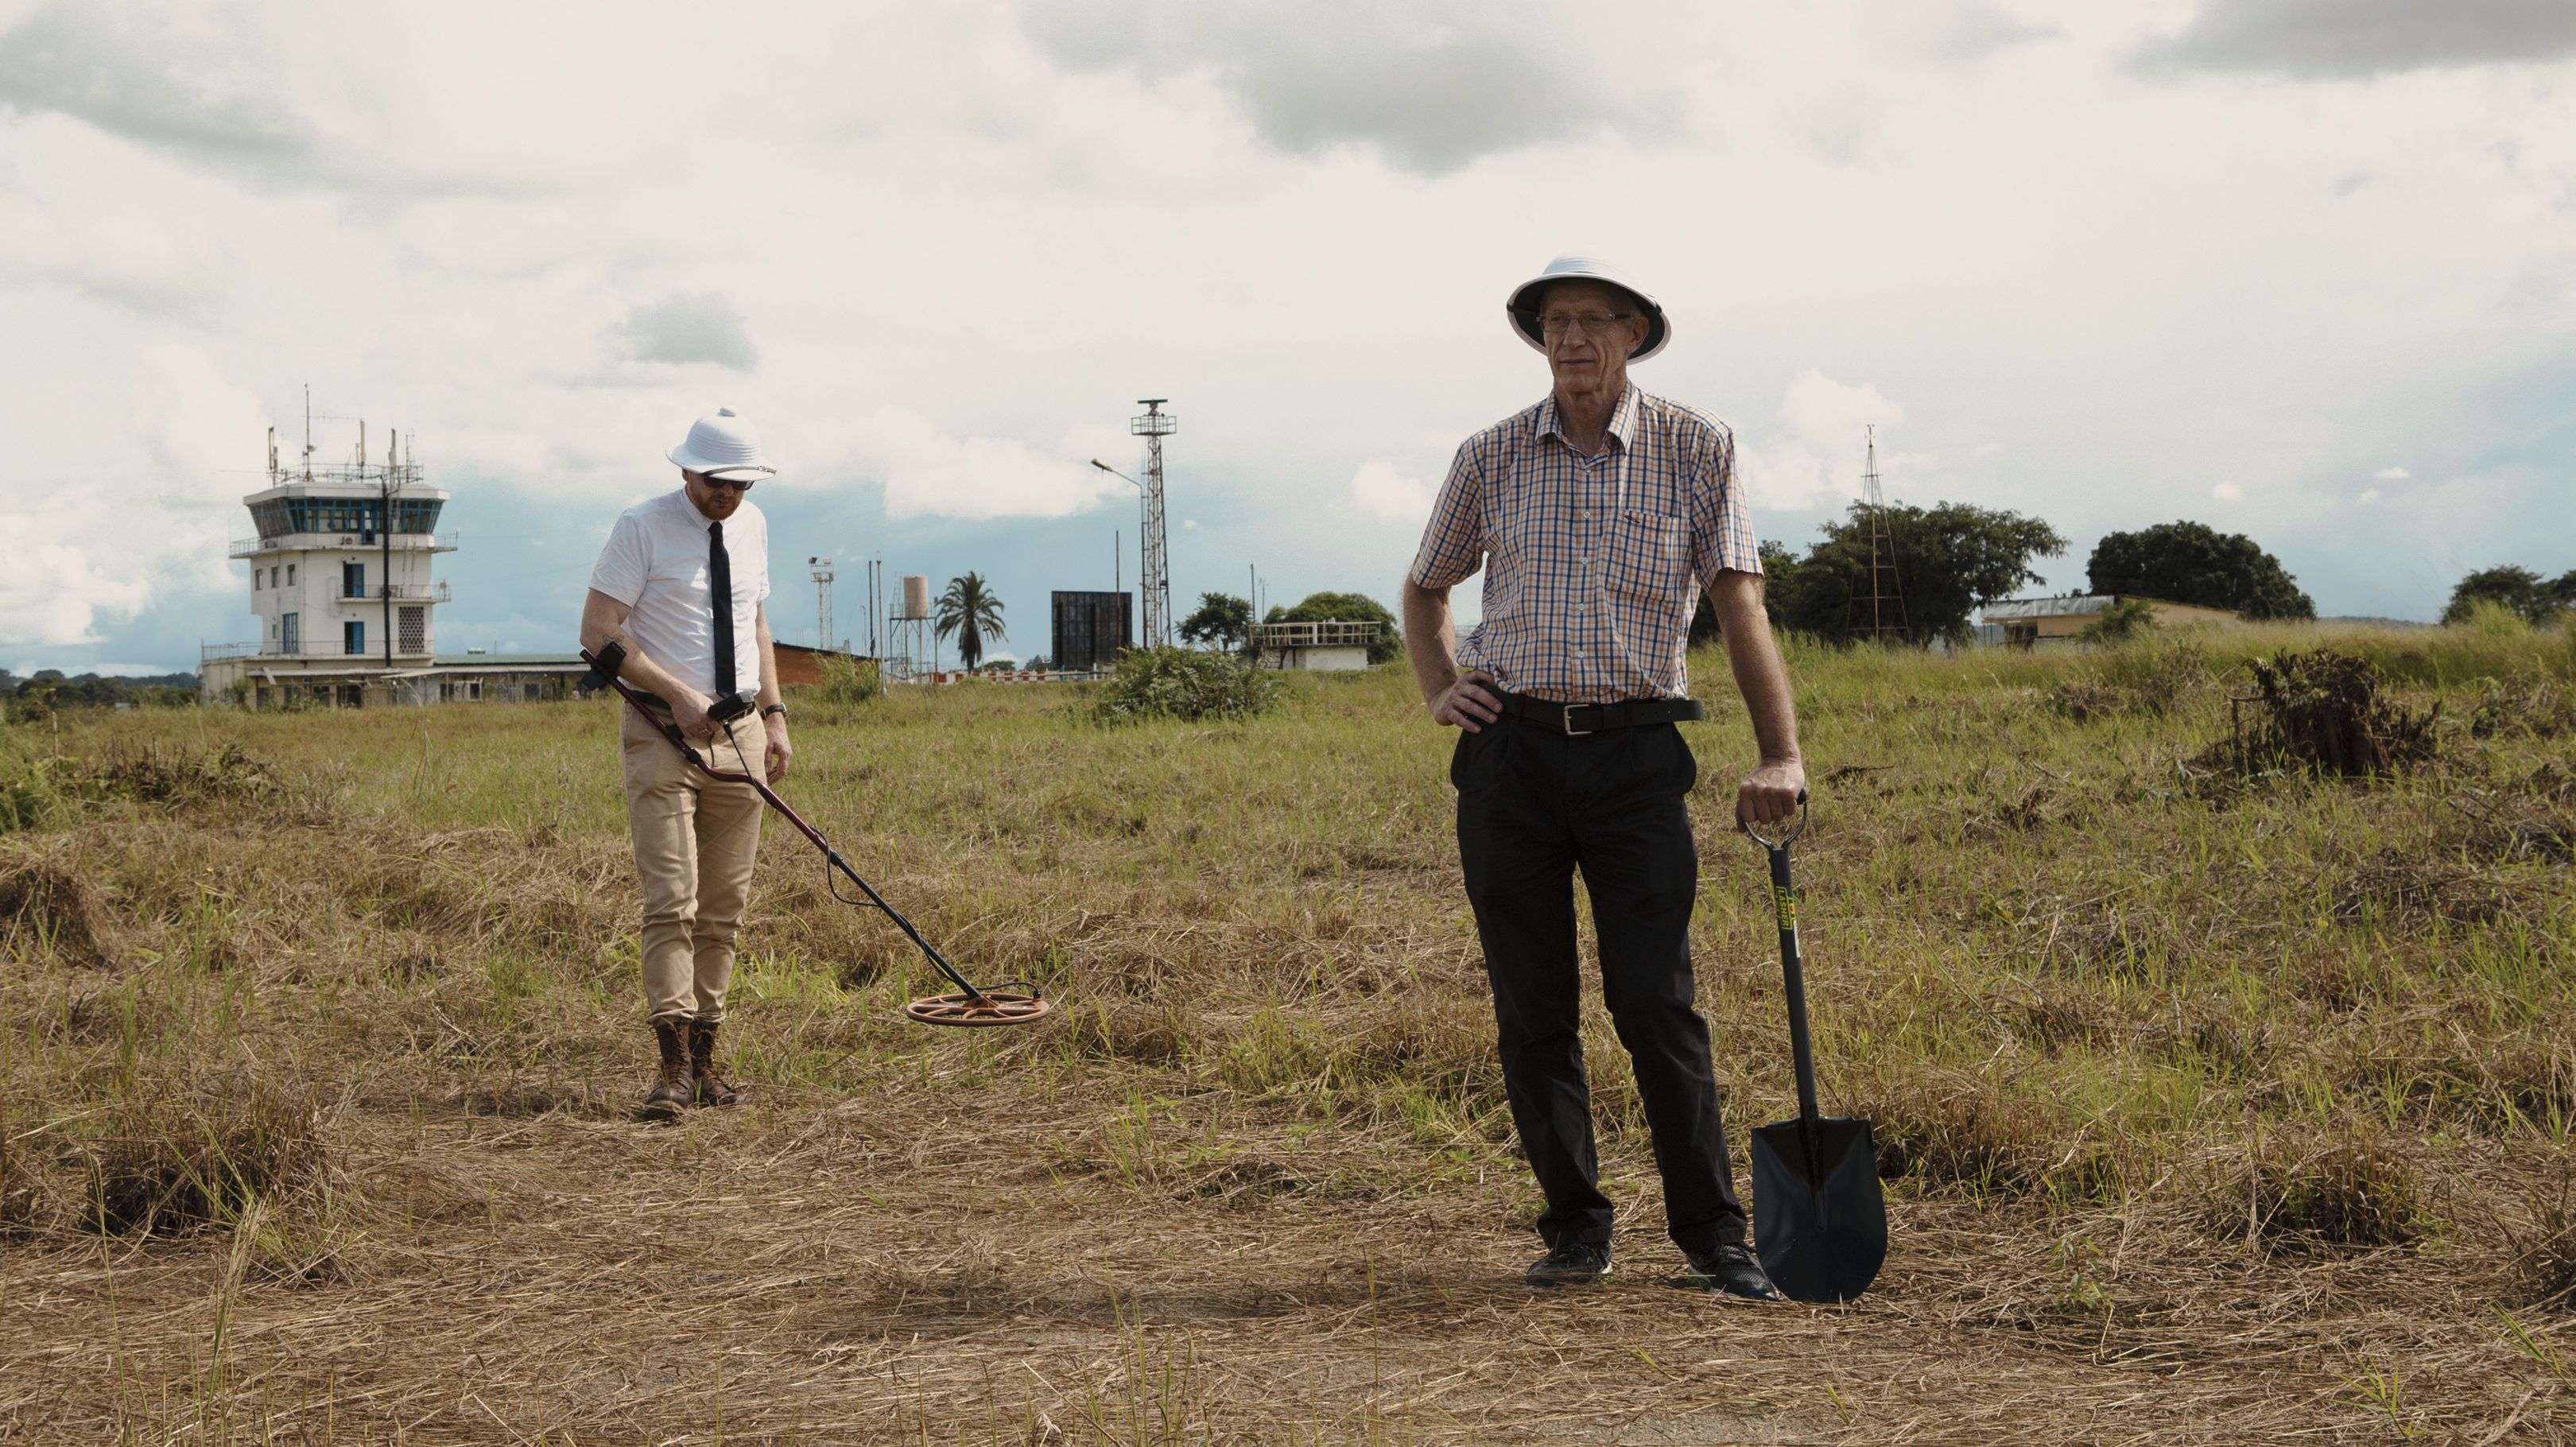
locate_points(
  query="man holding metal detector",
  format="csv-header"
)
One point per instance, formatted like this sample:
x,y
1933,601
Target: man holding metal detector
x,y
676,614
1598,516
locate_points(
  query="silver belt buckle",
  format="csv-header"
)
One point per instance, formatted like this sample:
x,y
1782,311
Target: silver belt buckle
x,y
1570,730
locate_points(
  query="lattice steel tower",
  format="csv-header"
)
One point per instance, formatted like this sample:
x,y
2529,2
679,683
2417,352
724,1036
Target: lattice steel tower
x,y
1886,621
1154,424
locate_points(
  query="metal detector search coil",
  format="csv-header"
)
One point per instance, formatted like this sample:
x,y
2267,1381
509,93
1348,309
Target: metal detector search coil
x,y
968,1005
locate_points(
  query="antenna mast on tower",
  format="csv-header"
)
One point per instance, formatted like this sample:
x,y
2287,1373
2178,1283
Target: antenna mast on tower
x,y
1154,424
823,576
1886,591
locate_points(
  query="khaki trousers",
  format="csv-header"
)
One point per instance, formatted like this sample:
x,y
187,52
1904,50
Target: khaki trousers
x,y
694,843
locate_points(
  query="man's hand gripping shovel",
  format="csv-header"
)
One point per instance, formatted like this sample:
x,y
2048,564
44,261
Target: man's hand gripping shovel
x,y
1819,1217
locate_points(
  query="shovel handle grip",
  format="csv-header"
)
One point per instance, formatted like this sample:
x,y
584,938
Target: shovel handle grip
x,y
1785,840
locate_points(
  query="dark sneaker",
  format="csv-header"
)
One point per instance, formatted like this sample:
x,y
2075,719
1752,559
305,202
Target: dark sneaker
x,y
1576,1263
1730,1270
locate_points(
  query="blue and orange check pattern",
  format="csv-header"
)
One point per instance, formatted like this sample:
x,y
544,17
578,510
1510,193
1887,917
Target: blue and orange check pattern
x,y
1593,565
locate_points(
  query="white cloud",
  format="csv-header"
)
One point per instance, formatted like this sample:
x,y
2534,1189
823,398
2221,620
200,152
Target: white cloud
x,y
1815,455
150,510
2370,497
1381,491
58,598
959,275
2392,474
691,327
2228,492
928,473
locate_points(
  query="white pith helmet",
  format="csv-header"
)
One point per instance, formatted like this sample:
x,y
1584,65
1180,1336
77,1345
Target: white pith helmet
x,y
721,445
1522,310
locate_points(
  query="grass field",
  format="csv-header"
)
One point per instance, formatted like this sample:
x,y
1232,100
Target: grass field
x,y
2214,1109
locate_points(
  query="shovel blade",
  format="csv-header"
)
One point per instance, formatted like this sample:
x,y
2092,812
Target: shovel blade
x,y
1819,1218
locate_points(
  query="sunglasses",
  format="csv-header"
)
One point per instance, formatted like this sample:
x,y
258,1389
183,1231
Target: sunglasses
x,y
725,484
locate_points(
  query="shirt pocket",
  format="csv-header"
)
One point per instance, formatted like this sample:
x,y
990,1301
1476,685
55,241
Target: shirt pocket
x,y
1649,558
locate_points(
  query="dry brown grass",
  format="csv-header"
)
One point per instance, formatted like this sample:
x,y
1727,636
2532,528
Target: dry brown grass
x,y
2204,1123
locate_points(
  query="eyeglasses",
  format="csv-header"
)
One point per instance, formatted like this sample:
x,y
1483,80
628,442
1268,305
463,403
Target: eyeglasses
x,y
1591,324
721,484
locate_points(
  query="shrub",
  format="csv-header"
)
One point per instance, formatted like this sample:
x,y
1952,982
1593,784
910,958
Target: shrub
x,y
27,797
2322,712
2150,678
1183,684
2347,1191
174,1156
44,902
182,775
2125,619
848,680
2488,619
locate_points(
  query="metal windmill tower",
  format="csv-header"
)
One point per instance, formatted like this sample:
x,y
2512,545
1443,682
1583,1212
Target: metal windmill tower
x,y
1154,424
1886,622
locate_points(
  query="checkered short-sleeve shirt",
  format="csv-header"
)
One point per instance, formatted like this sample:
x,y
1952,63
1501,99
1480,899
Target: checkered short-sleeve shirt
x,y
1593,565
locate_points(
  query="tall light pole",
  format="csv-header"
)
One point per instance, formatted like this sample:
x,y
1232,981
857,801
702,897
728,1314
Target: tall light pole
x,y
1147,577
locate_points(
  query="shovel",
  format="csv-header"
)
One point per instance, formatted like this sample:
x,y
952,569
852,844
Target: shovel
x,y
1819,1218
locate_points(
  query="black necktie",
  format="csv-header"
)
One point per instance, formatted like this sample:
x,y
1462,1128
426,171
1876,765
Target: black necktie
x,y
720,589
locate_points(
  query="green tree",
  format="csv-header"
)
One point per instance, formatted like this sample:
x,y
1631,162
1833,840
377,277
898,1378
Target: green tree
x,y
2187,562
2536,598
1952,558
1347,608
969,612
1223,620
2124,620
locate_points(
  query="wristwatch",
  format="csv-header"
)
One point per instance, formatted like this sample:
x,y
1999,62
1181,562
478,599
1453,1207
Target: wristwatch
x,y
779,709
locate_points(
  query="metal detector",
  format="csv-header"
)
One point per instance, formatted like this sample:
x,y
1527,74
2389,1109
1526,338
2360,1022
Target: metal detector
x,y
968,1005
1819,1216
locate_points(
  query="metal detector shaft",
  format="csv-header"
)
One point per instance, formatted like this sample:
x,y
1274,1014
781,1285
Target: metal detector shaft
x,y
831,856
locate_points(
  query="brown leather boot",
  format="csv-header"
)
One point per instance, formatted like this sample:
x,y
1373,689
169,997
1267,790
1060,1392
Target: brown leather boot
x,y
674,1089
713,1089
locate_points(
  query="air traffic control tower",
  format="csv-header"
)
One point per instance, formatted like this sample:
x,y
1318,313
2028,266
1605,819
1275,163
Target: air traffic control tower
x,y
341,583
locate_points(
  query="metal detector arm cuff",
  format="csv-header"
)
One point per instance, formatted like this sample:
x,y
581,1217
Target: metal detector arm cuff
x,y
669,730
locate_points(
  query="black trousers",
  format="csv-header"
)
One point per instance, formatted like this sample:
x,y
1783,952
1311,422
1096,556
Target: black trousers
x,y
1535,805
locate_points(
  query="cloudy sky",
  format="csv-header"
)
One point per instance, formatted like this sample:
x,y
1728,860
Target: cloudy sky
x,y
2304,269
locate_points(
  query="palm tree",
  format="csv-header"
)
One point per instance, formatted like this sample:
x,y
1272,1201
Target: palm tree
x,y
969,611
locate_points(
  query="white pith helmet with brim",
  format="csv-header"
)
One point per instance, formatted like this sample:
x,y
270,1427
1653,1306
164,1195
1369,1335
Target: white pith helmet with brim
x,y
1522,309
721,445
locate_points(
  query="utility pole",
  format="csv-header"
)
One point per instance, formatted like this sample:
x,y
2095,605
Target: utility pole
x,y
823,576
1886,590
1154,424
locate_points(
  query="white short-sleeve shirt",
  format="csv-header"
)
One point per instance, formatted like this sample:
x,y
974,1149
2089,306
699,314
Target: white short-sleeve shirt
x,y
656,564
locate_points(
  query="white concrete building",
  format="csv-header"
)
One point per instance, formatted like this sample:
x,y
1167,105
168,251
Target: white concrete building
x,y
1331,647
341,582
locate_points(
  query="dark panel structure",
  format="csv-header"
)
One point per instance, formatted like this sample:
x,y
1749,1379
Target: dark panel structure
x,y
1092,629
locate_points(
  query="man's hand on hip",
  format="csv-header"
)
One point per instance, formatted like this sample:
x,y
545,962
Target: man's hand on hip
x,y
779,750
1770,793
689,711
1469,703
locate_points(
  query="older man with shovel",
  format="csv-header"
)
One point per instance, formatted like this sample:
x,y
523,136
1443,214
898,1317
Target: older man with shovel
x,y
1598,516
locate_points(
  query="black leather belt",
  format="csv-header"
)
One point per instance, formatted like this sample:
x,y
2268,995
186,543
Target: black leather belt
x,y
1591,718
